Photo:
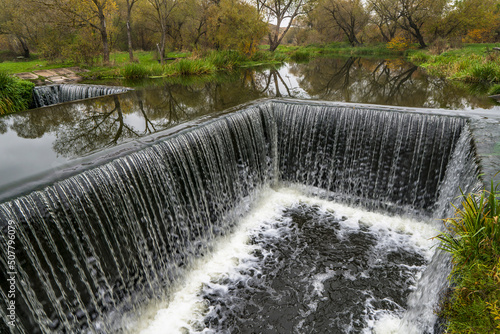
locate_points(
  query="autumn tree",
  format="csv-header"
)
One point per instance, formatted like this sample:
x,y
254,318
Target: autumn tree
x,y
416,13
14,22
349,15
234,24
280,12
465,16
85,13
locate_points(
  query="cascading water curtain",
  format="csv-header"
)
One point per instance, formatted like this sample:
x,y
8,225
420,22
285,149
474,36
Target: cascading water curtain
x,y
97,245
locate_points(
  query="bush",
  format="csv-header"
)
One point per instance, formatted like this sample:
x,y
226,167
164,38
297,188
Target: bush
x,y
135,71
495,90
418,57
301,55
192,67
228,59
398,44
473,239
15,94
486,72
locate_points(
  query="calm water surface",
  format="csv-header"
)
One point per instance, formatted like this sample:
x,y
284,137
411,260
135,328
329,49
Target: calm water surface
x,y
45,144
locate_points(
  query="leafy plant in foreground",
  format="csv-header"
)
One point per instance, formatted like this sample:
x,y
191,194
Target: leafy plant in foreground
x,y
15,94
473,239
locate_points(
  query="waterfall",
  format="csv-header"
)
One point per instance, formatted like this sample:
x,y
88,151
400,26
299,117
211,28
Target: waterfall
x,y
53,94
380,159
104,242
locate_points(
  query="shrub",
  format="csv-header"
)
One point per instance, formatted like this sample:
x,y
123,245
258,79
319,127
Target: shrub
x,y
15,94
398,44
135,71
419,57
228,59
495,90
301,55
192,67
473,239
488,71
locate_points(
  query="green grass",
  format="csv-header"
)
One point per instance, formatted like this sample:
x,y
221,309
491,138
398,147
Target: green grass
x,y
473,239
471,63
15,94
301,55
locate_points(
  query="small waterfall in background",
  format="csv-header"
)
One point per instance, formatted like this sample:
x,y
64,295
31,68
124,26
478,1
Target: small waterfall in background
x,y
95,251
53,94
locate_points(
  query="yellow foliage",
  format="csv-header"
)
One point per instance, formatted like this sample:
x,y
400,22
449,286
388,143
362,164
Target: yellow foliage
x,y
398,44
478,36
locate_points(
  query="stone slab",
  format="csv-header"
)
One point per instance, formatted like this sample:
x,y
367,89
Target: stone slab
x,y
63,71
45,73
26,75
57,79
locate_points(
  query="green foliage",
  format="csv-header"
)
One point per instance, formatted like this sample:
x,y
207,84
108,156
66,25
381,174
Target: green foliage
x,y
227,59
15,94
235,25
135,71
473,239
494,90
301,55
191,67
489,71
471,64
417,56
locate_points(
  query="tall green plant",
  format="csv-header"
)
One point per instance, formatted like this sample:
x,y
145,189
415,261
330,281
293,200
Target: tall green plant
x,y
475,230
473,239
15,94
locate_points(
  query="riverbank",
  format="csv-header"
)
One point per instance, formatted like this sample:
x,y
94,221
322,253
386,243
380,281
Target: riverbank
x,y
194,63
473,239
473,63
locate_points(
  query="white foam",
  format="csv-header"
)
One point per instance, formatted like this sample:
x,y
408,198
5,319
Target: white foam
x,y
186,308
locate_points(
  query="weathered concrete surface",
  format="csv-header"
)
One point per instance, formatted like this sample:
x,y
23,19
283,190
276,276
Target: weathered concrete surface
x,y
56,75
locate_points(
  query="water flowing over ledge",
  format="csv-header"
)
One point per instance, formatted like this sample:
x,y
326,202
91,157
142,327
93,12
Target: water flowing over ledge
x,y
54,94
104,242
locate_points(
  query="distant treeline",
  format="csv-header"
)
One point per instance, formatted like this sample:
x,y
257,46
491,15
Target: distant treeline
x,y
86,31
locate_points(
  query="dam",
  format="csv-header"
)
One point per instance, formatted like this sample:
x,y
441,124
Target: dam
x,y
280,215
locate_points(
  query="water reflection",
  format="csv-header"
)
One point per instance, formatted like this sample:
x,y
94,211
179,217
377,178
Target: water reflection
x,y
382,81
62,133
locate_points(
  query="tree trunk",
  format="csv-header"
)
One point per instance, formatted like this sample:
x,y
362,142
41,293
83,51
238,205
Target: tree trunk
x,y
24,46
104,38
129,38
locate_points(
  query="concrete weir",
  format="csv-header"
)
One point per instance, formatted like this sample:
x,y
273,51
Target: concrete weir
x,y
287,202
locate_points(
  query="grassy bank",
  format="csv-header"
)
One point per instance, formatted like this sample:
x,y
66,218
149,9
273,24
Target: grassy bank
x,y
15,94
471,63
473,239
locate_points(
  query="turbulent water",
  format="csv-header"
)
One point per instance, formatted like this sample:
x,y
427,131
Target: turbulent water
x,y
53,94
299,264
123,245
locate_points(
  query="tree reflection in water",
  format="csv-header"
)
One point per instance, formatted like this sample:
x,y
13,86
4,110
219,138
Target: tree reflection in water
x,y
84,127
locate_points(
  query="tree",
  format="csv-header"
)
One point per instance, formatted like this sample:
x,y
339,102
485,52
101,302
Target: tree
x,y
280,11
415,13
234,24
130,5
387,14
349,15
464,16
91,13
13,22
162,11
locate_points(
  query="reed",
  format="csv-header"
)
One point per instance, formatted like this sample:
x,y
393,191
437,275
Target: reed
x,y
15,94
472,237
